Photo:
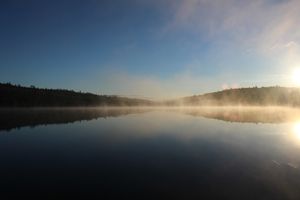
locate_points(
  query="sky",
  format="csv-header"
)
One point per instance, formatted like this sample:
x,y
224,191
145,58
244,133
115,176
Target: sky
x,y
154,49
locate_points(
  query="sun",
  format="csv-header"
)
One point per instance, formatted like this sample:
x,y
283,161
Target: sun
x,y
296,76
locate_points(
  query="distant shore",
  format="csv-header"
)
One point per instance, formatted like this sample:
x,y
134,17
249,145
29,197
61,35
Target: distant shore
x,y
19,96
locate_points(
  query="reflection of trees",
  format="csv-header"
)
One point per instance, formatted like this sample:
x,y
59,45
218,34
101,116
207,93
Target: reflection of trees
x,y
250,115
17,118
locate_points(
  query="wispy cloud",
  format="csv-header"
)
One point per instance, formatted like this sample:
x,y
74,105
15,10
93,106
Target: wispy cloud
x,y
267,28
270,27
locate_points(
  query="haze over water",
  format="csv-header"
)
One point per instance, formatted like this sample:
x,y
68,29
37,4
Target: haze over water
x,y
179,153
157,54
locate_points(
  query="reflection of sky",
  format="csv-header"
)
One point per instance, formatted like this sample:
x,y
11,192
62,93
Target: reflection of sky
x,y
156,49
170,147
180,126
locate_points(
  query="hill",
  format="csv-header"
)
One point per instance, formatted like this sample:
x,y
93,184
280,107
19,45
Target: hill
x,y
19,96
264,96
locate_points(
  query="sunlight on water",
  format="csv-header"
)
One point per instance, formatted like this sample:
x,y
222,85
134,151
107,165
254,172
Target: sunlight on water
x,y
241,152
296,130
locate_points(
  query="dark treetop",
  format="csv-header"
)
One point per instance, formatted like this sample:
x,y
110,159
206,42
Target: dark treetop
x,y
18,96
264,96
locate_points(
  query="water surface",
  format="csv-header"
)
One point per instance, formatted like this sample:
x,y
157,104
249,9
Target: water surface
x,y
190,153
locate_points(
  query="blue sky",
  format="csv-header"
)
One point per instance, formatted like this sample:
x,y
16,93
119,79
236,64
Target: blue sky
x,y
155,49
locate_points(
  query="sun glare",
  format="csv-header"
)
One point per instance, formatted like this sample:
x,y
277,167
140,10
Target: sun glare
x,y
296,76
296,130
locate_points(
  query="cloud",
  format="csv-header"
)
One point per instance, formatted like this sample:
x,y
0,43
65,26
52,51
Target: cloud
x,y
260,25
269,28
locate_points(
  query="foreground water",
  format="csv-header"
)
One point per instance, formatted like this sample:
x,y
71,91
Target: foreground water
x,y
191,153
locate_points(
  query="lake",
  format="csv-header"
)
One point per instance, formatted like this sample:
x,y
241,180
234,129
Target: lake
x,y
150,153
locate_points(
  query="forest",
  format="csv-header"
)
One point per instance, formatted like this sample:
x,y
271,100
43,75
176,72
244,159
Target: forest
x,y
19,96
264,96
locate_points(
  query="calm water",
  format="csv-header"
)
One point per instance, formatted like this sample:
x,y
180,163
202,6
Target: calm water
x,y
188,153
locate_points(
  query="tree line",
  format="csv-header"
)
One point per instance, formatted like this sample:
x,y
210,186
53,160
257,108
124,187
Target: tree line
x,y
264,96
20,96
